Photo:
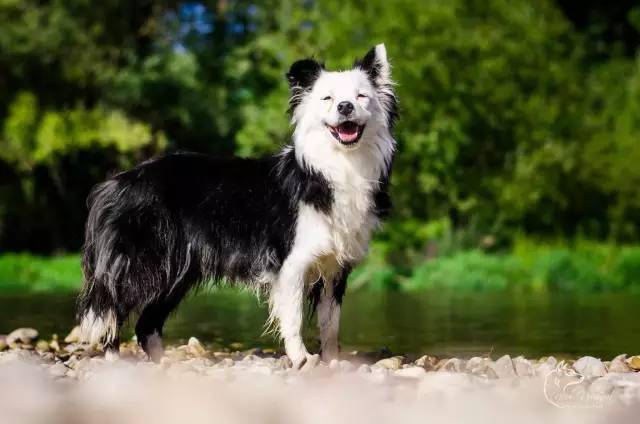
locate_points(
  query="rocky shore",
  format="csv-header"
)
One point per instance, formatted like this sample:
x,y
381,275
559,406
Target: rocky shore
x,y
47,376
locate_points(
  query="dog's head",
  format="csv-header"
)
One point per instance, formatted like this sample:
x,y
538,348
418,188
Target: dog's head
x,y
345,109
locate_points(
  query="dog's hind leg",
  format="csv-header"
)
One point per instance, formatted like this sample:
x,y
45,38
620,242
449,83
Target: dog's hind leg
x,y
151,321
329,304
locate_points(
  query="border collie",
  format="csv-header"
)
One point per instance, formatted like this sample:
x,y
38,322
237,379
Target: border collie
x,y
292,225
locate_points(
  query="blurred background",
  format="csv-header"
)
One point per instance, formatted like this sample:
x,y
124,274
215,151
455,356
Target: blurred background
x,y
516,186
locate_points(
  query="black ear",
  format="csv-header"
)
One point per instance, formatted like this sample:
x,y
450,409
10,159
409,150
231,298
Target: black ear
x,y
304,73
368,64
376,65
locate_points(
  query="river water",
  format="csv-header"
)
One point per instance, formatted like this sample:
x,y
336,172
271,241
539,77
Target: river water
x,y
443,324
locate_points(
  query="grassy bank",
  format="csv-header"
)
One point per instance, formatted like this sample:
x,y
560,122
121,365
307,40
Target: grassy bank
x,y
35,273
581,266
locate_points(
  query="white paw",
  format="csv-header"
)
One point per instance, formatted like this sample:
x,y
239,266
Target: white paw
x,y
307,362
111,355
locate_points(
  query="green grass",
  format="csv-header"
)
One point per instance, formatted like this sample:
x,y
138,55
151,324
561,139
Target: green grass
x,y
559,266
23,271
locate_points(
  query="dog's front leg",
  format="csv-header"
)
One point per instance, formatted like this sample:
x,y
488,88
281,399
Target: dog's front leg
x,y
287,299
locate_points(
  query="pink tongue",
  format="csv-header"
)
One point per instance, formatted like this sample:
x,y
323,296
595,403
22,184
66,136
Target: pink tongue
x,y
347,132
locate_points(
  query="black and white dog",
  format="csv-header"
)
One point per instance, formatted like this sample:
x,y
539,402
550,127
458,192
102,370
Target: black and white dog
x,y
292,225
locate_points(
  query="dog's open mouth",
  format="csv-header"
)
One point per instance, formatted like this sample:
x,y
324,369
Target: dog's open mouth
x,y
347,133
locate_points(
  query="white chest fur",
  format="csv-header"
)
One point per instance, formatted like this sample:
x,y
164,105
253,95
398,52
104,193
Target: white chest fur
x,y
351,220
342,235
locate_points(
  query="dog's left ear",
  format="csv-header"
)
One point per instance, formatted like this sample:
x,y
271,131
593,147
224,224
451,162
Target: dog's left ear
x,y
376,65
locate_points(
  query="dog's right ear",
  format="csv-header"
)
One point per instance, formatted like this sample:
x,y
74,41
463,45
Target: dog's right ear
x,y
303,74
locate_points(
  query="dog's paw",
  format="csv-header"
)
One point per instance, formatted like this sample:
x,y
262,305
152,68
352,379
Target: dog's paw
x,y
111,355
307,363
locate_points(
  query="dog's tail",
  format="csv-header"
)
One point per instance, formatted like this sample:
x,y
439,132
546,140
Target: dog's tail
x,y
102,266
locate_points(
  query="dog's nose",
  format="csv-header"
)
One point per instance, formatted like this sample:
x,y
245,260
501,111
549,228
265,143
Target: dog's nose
x,y
345,108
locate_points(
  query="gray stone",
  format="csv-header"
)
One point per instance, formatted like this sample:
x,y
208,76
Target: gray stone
x,y
619,364
589,366
523,367
503,367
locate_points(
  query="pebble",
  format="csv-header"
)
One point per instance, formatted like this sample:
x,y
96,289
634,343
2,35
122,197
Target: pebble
x,y
427,362
589,366
70,361
503,367
451,365
523,367
619,364
195,348
22,335
42,346
634,363
545,366
392,363
73,336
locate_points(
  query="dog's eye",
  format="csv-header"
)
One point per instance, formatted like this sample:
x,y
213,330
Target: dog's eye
x,y
362,96
326,98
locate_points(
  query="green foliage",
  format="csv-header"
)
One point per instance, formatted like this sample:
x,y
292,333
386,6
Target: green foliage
x,y
581,266
513,120
32,137
471,270
27,272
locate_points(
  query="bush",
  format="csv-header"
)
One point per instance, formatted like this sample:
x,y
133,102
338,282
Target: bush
x,y
472,270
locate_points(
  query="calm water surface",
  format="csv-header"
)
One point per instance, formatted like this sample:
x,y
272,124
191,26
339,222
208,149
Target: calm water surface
x,y
460,324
